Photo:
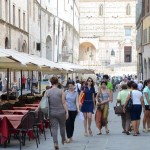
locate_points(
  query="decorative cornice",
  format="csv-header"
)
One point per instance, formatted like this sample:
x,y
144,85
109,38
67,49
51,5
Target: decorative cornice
x,y
14,27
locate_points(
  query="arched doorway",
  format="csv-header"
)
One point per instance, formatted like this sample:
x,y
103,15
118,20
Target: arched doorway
x,y
49,48
6,43
87,53
24,47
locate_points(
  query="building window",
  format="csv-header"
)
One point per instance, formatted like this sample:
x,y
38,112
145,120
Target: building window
x,y
145,36
6,43
24,21
128,9
127,31
6,10
13,14
148,6
38,46
127,54
101,10
19,23
145,64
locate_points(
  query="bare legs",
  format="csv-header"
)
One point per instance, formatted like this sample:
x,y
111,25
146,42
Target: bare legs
x,y
87,123
136,125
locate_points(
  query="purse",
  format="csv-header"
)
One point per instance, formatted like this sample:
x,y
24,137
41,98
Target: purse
x,y
118,109
100,107
44,105
82,96
129,105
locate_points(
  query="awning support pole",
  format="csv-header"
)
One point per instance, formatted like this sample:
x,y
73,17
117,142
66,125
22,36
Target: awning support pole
x,y
21,85
7,84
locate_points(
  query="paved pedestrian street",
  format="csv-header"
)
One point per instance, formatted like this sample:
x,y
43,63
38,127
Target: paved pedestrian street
x,y
115,140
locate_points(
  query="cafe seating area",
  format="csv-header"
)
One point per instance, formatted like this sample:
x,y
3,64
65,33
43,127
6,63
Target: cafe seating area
x,y
22,121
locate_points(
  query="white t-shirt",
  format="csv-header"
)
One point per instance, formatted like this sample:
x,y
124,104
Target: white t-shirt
x,y
140,86
77,86
136,81
136,96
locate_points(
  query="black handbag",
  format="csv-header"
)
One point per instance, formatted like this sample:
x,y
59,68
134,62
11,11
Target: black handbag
x,y
129,105
118,109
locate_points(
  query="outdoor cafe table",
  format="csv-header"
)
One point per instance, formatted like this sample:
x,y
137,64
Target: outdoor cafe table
x,y
25,108
32,105
23,112
7,122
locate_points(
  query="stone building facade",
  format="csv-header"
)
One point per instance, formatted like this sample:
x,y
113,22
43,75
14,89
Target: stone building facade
x,y
47,28
108,35
143,38
14,25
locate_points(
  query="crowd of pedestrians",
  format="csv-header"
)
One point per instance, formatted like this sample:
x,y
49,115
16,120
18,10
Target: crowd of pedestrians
x,y
139,93
97,96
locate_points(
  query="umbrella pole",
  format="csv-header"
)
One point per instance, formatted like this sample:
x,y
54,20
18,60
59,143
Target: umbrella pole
x,y
7,83
40,82
21,85
31,82
10,79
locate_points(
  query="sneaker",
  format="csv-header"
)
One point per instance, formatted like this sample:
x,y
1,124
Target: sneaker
x,y
145,130
148,129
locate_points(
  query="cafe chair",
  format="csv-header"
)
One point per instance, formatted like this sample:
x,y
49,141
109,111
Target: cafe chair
x,y
26,127
39,125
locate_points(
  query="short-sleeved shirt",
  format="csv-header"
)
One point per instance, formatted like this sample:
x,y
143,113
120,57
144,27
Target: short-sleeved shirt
x,y
71,100
136,97
146,90
88,92
109,86
122,96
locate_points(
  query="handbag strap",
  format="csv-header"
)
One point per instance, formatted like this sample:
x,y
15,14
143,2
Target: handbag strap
x,y
101,94
131,94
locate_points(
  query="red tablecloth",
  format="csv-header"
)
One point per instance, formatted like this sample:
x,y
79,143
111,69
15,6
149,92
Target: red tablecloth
x,y
19,112
31,105
25,108
8,121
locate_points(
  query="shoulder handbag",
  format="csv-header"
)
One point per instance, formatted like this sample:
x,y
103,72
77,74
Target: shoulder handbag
x,y
118,109
82,96
129,105
44,105
101,106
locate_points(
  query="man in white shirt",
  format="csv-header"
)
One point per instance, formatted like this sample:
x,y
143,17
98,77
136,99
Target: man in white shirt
x,y
78,87
136,80
140,86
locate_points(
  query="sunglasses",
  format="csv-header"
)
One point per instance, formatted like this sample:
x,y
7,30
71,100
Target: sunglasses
x,y
90,81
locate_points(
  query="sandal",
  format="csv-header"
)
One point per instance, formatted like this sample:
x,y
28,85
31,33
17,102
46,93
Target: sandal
x,y
107,131
86,134
135,134
56,146
90,132
99,133
67,141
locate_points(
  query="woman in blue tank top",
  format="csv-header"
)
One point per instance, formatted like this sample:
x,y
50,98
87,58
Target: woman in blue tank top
x,y
73,109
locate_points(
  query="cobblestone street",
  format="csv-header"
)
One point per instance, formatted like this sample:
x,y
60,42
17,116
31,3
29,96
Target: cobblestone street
x,y
114,141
